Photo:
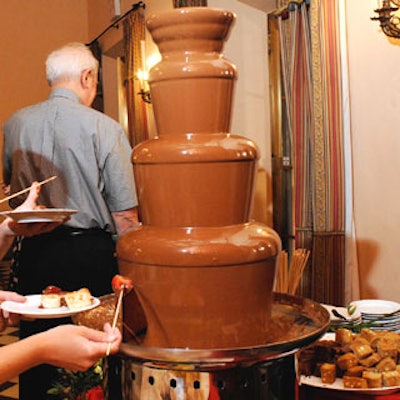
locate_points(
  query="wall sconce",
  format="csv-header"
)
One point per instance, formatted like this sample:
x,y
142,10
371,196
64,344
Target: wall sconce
x,y
388,18
144,92
146,96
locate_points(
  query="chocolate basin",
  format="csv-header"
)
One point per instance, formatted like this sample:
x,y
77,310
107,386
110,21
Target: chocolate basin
x,y
295,323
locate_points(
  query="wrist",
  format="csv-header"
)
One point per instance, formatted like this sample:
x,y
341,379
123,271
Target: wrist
x,y
7,228
37,349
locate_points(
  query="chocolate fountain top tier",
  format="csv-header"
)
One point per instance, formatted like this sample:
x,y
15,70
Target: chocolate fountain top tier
x,y
190,29
192,86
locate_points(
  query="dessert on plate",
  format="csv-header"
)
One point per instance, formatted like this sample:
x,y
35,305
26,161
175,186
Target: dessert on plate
x,y
54,297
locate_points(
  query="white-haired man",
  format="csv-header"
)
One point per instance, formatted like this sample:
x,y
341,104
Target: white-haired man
x,y
90,155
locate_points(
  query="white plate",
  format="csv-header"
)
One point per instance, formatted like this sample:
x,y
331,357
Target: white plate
x,y
41,215
343,311
376,307
31,308
338,384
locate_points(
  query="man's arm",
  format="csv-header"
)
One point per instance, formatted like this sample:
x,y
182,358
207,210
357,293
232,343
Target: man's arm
x,y
125,219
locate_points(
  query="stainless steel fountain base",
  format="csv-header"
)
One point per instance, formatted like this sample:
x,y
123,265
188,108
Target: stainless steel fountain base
x,y
268,380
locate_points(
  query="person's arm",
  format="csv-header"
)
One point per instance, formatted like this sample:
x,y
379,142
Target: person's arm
x,y
7,318
6,237
125,219
10,228
67,346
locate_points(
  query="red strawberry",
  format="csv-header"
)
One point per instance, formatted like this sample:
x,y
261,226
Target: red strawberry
x,y
51,290
118,282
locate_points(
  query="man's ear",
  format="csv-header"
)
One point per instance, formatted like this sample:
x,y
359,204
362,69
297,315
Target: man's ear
x,y
85,76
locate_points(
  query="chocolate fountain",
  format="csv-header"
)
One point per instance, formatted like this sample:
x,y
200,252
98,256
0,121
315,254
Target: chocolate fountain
x,y
203,309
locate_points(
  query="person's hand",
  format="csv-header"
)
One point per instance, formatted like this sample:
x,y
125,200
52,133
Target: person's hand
x,y
32,228
7,318
31,201
78,347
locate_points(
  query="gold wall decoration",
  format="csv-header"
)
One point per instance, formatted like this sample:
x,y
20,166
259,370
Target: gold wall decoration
x,y
389,17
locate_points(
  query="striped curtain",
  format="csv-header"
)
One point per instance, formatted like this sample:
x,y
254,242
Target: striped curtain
x,y
134,35
309,50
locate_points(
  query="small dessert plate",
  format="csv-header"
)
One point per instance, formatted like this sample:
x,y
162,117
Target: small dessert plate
x,y
40,215
31,308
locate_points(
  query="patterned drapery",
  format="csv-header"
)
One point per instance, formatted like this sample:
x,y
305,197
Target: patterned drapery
x,y
308,50
134,35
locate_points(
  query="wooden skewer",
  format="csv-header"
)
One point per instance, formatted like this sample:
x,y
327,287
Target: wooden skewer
x,y
131,332
28,189
299,262
281,282
114,324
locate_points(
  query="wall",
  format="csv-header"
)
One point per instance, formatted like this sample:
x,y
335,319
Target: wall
x,y
374,61
247,49
29,30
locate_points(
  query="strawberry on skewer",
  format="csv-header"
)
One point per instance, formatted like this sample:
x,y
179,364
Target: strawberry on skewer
x,y
120,282
120,286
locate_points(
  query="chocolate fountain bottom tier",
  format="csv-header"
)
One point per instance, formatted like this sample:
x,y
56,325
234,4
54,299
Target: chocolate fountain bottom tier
x,y
201,287
204,307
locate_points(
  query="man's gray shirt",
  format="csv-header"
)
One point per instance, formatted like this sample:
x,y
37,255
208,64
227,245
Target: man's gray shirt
x,y
87,150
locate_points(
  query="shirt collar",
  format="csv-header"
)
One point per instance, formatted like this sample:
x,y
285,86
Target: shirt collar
x,y
66,93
